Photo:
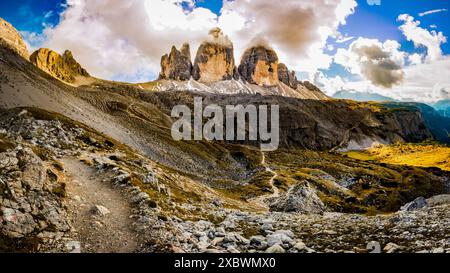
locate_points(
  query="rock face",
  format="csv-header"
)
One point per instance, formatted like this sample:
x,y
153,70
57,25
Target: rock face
x,y
310,86
64,67
27,202
215,59
11,37
287,77
177,65
301,198
259,65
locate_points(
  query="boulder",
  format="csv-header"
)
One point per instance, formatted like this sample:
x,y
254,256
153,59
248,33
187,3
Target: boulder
x,y
101,210
259,65
215,59
177,65
417,204
11,38
301,198
275,249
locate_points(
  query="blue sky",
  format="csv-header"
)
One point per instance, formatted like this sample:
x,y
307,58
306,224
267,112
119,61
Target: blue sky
x,y
368,21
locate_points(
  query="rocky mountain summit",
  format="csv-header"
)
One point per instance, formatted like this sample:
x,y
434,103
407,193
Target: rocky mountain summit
x,y
63,67
177,65
259,65
215,59
215,71
12,38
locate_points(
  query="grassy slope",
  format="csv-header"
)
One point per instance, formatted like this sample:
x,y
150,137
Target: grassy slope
x,y
419,155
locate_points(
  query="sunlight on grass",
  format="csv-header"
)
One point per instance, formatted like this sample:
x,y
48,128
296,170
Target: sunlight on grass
x,y
420,155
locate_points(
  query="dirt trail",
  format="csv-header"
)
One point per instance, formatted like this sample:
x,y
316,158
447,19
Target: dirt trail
x,y
276,192
111,233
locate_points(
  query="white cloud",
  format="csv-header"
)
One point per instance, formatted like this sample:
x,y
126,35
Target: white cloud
x,y
431,12
115,37
431,40
415,59
381,63
297,30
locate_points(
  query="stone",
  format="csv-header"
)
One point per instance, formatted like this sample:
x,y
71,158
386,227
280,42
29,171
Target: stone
x,y
439,200
288,233
259,65
278,238
300,246
275,249
301,198
214,61
417,204
177,65
140,197
34,172
101,210
8,161
16,224
267,227
438,250
12,38
122,179
151,178
63,67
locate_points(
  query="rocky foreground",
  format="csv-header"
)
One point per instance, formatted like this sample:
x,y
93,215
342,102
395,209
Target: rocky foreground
x,y
45,161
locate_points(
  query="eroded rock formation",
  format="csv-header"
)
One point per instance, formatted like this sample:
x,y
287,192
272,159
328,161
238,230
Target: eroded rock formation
x,y
259,65
287,77
64,67
177,65
11,37
215,59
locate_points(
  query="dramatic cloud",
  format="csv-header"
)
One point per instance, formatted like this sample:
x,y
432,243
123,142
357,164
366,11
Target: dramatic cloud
x,y
297,30
431,40
381,63
118,39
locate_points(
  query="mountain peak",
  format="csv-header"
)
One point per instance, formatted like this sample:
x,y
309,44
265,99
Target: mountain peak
x,y
64,67
177,65
12,38
259,65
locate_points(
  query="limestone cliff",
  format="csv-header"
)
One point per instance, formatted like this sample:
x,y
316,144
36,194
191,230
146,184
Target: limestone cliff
x,y
215,59
287,77
177,65
259,65
64,67
11,38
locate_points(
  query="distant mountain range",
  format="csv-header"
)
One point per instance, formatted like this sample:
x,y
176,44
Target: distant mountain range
x,y
443,107
360,96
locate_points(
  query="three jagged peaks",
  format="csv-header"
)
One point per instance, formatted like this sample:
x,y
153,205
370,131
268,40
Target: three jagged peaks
x,y
215,62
